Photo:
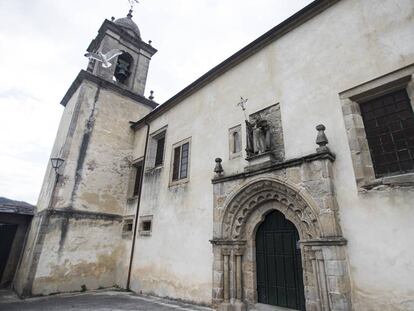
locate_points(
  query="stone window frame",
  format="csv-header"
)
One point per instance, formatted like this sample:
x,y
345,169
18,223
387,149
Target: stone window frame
x,y
350,101
152,148
183,180
232,131
143,219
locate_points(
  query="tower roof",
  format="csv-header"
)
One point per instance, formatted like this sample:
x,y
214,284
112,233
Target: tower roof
x,y
129,25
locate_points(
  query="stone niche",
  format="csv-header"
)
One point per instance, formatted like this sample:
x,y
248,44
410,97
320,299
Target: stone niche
x,y
271,133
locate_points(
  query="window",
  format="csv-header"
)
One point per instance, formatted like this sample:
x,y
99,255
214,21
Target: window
x,y
180,161
159,155
138,174
156,146
145,225
127,228
389,127
379,123
235,144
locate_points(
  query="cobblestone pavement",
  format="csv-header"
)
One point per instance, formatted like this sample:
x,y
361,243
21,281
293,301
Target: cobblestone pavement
x,y
105,300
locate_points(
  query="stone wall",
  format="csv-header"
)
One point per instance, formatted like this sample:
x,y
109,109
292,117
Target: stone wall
x,y
304,193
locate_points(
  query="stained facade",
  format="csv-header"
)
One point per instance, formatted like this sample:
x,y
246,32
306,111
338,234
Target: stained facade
x,y
298,195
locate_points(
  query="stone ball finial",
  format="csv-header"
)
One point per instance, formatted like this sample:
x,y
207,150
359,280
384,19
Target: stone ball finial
x,y
151,97
321,139
218,169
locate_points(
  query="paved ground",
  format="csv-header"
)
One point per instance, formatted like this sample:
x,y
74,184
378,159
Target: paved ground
x,y
105,300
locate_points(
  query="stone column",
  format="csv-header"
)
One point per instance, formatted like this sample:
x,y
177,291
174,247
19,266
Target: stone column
x,y
226,287
226,306
238,277
239,305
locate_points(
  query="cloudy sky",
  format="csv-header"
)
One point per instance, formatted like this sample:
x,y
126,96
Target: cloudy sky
x,y
42,43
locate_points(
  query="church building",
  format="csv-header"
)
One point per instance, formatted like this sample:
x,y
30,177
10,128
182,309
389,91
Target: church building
x,y
283,177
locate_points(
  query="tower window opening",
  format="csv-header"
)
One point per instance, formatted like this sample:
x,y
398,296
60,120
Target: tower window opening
x,y
123,66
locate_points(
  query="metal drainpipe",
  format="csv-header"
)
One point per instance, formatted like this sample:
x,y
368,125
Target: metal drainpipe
x,y
137,212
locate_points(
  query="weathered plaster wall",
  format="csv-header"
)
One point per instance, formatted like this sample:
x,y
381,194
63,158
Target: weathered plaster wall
x,y
305,70
97,164
22,275
80,243
64,136
77,251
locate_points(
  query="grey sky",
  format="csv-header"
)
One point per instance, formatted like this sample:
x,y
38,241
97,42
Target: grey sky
x,y
42,43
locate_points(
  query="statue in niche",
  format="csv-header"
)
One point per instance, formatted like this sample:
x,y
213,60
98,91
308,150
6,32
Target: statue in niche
x,y
258,136
249,139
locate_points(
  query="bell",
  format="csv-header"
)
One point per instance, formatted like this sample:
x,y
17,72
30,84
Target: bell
x,y
121,71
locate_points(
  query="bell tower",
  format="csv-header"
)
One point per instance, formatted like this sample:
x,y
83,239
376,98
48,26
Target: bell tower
x,y
75,241
129,70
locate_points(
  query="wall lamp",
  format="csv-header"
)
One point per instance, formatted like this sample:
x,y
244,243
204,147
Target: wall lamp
x,y
56,164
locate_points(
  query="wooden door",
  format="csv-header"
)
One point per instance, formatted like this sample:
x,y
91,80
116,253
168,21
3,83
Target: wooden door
x,y
279,264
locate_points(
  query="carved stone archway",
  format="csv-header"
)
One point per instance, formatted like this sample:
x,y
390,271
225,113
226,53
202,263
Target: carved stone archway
x,y
247,200
234,270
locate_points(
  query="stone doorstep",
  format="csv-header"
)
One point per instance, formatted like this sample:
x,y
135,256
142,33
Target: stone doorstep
x,y
264,307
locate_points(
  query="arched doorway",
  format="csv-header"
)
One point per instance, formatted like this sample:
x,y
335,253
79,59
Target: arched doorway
x,y
279,263
292,213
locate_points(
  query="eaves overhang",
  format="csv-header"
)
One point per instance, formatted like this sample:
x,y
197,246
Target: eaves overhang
x,y
294,21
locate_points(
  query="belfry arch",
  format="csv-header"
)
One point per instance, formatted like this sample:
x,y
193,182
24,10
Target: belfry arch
x,y
237,220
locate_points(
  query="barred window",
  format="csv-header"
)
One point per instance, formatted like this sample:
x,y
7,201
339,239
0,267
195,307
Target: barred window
x,y
389,127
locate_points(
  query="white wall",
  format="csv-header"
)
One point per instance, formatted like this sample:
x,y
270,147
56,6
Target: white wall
x,y
305,70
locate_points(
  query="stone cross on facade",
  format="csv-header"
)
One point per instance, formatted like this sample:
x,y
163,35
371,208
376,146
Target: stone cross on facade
x,y
242,105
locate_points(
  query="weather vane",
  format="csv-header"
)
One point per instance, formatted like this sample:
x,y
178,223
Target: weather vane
x,y
242,105
132,3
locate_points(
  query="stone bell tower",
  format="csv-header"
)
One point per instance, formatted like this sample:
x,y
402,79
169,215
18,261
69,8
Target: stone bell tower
x,y
131,68
75,241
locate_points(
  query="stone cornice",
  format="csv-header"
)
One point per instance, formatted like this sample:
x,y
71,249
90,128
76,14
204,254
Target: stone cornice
x,y
278,166
227,242
86,75
328,241
78,214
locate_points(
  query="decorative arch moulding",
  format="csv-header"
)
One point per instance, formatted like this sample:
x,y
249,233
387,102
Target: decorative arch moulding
x,y
263,194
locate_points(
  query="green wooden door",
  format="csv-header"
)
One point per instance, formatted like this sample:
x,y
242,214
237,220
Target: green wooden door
x,y
279,265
